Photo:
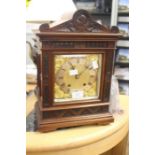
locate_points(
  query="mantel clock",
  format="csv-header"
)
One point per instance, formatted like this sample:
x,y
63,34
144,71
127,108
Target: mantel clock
x,y
74,73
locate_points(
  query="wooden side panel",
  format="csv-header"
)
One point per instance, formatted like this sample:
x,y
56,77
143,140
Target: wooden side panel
x,y
45,79
108,75
38,63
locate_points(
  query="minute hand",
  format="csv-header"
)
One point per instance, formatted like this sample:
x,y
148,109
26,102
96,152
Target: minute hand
x,y
78,76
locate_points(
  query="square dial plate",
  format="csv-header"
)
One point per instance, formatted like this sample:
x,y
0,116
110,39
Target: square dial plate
x,y
77,77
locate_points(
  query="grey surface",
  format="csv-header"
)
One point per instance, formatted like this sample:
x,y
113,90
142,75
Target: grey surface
x,y
31,121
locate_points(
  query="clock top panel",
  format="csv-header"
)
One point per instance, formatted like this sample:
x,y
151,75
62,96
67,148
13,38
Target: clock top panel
x,y
80,24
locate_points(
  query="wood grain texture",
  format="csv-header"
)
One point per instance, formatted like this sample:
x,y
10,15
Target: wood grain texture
x,y
120,149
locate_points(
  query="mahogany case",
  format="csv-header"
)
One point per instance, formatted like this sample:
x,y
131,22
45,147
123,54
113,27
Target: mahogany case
x,y
76,36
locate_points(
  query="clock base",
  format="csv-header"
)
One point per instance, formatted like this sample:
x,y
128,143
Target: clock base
x,y
45,125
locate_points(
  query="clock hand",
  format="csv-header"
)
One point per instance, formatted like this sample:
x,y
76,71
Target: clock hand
x,y
71,65
87,67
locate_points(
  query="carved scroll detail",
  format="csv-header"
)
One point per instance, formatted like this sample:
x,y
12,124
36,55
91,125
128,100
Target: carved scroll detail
x,y
81,22
75,112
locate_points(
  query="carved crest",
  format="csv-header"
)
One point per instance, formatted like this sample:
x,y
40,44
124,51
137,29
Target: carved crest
x,y
81,22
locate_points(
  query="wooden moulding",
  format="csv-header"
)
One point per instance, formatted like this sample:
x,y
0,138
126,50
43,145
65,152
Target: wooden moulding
x,y
98,121
53,124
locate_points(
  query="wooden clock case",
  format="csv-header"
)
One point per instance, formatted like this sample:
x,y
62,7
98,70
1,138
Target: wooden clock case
x,y
80,35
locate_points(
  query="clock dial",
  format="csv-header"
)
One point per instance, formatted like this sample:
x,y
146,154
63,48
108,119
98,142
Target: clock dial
x,y
77,77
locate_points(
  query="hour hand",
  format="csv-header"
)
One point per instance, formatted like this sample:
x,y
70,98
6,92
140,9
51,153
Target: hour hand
x,y
87,67
72,67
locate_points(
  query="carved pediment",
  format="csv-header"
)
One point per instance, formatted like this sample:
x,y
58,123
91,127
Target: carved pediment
x,y
81,22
